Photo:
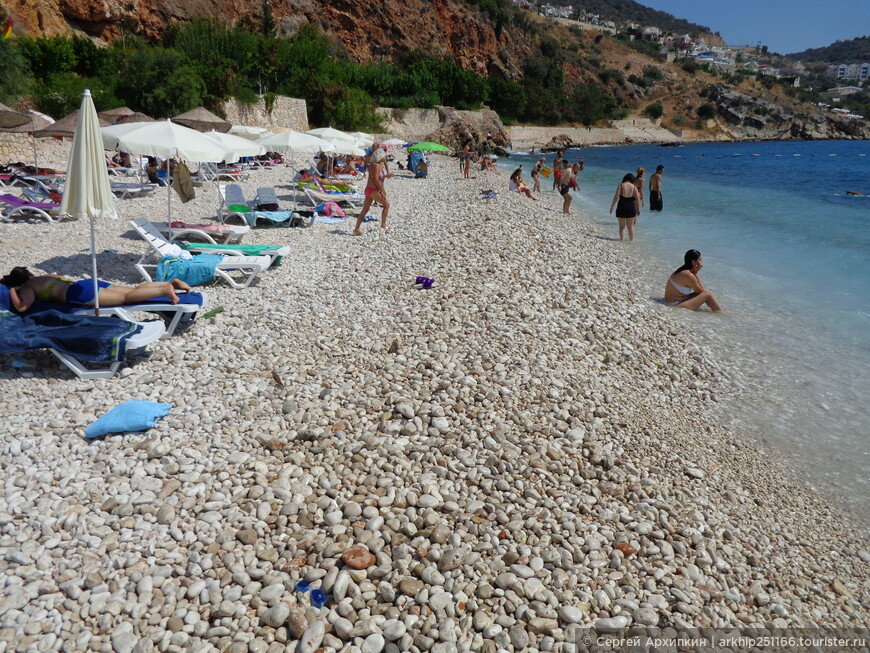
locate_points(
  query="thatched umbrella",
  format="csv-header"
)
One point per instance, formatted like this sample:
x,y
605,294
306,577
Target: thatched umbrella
x,y
115,114
202,120
65,127
35,122
11,118
134,117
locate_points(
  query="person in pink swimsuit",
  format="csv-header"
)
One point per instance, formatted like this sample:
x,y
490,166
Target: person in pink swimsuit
x,y
375,191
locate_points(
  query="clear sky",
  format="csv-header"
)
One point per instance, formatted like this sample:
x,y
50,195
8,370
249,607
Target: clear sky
x,y
784,26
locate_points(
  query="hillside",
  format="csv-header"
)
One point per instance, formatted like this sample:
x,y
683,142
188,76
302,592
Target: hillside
x,y
852,51
530,69
630,11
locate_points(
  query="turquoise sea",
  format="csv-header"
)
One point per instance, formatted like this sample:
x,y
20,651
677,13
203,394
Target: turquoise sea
x,y
787,251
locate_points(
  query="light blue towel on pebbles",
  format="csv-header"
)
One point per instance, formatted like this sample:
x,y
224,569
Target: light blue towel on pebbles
x,y
133,415
194,271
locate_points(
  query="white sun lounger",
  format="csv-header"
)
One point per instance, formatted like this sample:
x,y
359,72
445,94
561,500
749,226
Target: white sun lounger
x,y
229,234
145,229
248,266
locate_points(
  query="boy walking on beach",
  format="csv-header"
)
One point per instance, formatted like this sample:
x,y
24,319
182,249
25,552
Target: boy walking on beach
x,y
655,190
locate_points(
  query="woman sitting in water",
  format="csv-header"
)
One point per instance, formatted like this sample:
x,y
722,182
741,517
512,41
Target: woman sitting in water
x,y
684,288
25,288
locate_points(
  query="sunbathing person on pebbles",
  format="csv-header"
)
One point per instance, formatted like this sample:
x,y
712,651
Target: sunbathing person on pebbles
x,y
375,191
25,288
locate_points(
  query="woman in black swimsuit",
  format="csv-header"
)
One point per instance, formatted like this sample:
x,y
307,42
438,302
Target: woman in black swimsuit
x,y
628,207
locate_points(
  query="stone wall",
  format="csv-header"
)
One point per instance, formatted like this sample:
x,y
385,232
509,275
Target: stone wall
x,y
287,112
410,124
50,152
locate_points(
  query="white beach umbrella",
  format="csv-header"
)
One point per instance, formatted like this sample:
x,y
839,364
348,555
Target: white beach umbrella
x,y
166,139
328,133
291,141
362,139
249,132
87,192
346,147
394,142
241,146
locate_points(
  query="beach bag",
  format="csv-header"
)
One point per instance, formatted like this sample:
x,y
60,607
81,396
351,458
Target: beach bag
x,y
330,210
271,206
545,171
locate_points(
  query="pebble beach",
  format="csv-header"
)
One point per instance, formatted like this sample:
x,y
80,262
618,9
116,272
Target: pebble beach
x,y
521,455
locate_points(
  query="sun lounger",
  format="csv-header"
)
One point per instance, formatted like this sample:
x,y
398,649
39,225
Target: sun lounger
x,y
317,197
19,208
211,172
189,304
147,231
123,190
236,209
248,266
76,339
208,233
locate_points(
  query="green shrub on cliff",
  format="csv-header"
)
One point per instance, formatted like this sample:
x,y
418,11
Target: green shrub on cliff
x,y
16,79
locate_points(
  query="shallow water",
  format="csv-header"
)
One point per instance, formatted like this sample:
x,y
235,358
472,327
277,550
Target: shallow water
x,y
787,250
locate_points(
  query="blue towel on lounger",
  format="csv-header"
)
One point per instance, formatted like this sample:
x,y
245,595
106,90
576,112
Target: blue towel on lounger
x,y
193,271
87,338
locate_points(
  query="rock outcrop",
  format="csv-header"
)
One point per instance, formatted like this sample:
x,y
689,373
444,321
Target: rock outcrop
x,y
483,129
745,117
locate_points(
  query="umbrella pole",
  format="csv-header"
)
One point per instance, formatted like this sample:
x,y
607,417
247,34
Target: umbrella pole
x,y
94,270
35,162
169,209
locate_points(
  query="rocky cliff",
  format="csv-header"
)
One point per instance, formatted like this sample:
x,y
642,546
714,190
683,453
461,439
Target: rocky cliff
x,y
368,31
746,117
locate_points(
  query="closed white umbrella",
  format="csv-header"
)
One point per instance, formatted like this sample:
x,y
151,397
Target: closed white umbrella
x,y
87,192
328,133
291,141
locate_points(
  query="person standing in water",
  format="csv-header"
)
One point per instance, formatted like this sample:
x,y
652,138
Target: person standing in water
x,y
629,205
638,181
557,170
655,190
684,288
375,191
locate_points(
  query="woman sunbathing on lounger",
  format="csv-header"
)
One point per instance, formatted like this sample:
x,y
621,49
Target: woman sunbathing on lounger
x,y
25,288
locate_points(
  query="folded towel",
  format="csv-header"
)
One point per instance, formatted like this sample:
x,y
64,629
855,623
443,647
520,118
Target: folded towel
x,y
85,337
133,415
195,271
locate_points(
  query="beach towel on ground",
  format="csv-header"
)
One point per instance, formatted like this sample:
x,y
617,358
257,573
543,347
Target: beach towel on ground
x,y
133,415
195,271
85,337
